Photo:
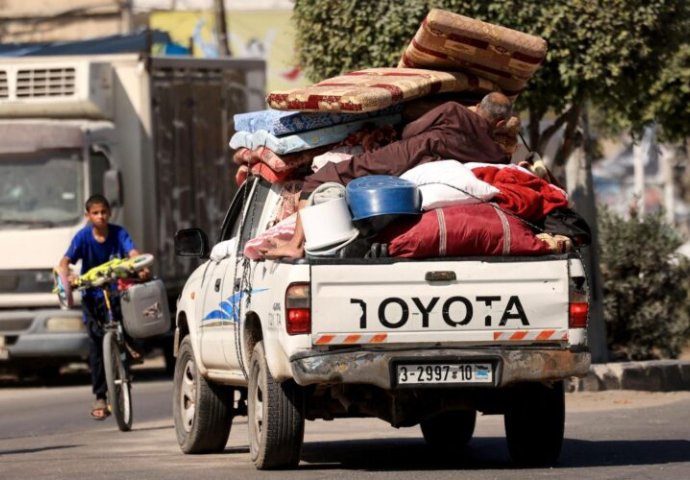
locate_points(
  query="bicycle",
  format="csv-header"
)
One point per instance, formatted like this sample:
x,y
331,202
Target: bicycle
x,y
115,355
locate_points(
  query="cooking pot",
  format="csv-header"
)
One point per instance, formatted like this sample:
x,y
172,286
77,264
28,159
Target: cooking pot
x,y
377,195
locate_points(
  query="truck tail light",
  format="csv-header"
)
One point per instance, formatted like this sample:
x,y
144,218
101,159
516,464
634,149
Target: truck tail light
x,y
298,309
578,307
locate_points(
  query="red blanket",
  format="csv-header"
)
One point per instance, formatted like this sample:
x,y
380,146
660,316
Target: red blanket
x,y
528,196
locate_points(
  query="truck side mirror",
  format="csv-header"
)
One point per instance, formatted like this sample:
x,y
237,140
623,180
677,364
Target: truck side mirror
x,y
191,242
112,187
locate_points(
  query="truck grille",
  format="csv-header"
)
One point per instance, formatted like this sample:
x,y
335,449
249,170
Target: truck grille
x,y
4,89
45,82
15,325
26,281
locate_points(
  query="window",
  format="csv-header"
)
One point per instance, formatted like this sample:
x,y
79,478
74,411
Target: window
x,y
41,189
99,165
255,192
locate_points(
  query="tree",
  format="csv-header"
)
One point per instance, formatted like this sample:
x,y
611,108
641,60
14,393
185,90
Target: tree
x,y
625,57
646,306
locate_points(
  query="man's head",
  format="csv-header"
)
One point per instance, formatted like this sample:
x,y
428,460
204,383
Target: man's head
x,y
97,210
496,108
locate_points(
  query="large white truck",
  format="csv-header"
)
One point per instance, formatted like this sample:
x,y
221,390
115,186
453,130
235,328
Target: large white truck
x,y
410,341
148,132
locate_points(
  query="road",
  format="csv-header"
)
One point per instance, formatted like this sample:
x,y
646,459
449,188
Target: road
x,y
46,433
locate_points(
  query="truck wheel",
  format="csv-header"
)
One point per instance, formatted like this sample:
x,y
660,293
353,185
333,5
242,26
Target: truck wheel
x,y
450,429
535,423
202,411
275,417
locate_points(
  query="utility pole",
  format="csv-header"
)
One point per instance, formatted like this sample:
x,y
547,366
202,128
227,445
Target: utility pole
x,y
221,28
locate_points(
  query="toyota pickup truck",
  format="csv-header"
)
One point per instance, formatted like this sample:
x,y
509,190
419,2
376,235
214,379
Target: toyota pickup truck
x,y
412,342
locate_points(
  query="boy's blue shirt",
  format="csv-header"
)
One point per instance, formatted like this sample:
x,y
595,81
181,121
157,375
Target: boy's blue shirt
x,y
86,248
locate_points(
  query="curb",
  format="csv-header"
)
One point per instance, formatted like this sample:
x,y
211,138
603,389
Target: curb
x,y
652,376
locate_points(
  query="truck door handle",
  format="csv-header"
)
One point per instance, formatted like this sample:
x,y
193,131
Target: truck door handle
x,y
216,287
440,276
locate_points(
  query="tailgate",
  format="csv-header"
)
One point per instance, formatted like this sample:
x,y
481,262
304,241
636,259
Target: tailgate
x,y
444,302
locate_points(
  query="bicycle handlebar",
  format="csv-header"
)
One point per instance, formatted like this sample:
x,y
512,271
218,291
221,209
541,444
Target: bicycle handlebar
x,y
112,270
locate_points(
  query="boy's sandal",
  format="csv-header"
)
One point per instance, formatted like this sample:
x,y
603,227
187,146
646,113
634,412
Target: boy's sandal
x,y
100,410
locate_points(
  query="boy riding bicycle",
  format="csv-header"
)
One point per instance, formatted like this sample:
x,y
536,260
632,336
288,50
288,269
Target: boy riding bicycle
x,y
95,244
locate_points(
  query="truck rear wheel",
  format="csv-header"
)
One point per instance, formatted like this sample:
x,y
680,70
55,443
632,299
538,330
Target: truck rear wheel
x,y
202,411
535,423
275,417
450,429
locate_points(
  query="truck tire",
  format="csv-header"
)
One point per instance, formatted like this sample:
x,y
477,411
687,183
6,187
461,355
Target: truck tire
x,y
450,429
202,411
535,423
275,417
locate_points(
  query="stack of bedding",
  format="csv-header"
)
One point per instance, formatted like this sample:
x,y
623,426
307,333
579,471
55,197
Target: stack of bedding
x,y
466,209
276,144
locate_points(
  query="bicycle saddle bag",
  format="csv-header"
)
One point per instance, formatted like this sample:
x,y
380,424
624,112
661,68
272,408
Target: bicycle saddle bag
x,y
145,311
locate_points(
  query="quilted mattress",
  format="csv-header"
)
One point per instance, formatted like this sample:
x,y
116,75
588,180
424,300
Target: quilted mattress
x,y
374,89
452,42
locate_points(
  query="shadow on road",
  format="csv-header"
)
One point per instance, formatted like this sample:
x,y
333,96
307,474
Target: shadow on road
x,y
34,450
153,369
483,453
582,453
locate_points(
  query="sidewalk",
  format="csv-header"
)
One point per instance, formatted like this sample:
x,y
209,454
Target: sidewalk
x,y
653,376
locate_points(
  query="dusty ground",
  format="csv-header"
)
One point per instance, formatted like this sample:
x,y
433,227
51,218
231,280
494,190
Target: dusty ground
x,y
616,399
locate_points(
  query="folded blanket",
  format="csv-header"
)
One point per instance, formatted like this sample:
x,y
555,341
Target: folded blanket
x,y
278,163
279,233
306,140
524,194
264,171
281,122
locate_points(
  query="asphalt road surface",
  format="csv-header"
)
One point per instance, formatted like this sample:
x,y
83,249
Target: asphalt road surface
x,y
46,433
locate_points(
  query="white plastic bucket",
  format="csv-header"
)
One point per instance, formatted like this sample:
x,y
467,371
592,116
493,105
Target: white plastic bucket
x,y
327,224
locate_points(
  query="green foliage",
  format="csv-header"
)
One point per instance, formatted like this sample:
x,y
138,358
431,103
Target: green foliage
x,y
627,56
645,286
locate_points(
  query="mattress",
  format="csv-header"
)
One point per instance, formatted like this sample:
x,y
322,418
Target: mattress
x,y
374,89
282,122
298,142
452,42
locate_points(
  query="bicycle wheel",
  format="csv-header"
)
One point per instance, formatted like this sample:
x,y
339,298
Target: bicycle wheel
x,y
117,378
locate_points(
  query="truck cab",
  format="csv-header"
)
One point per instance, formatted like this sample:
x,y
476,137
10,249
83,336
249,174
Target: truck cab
x,y
47,170
126,125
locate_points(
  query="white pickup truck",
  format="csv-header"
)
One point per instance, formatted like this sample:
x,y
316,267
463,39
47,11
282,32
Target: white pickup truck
x,y
428,342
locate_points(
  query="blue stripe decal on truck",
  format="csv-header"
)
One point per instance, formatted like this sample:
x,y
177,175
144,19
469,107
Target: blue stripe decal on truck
x,y
229,309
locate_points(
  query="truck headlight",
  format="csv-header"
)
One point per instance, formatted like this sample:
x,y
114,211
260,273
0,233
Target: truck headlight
x,y
65,324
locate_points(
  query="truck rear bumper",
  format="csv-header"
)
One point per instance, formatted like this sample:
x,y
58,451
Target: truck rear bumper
x,y
375,367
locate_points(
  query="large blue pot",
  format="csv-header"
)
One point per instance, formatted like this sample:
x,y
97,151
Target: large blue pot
x,y
377,195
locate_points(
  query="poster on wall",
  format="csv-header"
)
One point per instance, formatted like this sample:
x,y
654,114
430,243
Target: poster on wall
x,y
252,34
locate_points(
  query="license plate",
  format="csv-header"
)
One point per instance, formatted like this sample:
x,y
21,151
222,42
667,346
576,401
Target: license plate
x,y
442,373
4,353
